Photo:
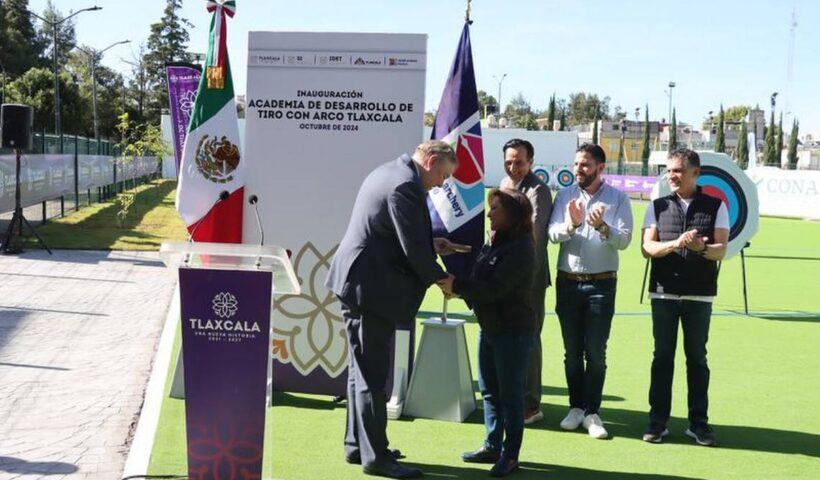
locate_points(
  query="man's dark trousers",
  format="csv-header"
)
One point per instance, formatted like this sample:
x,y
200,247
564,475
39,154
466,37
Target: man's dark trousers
x,y
694,318
366,382
532,392
585,311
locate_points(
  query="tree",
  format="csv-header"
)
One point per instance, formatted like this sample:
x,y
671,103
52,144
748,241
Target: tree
x,y
110,102
673,133
36,88
645,152
66,36
595,131
720,142
736,113
20,47
584,107
792,156
770,156
562,123
551,113
168,42
137,90
518,108
528,122
780,144
621,148
742,151
486,103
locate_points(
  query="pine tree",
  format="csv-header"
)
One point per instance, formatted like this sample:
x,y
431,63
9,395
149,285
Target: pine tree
x,y
673,133
551,113
770,147
66,36
792,156
20,49
562,124
780,144
595,130
645,152
168,42
720,142
742,151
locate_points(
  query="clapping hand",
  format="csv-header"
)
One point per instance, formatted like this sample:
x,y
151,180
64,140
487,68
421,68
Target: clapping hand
x,y
444,247
686,238
446,286
595,218
575,212
696,243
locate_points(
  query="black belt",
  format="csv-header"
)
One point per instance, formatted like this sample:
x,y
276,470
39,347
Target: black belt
x,y
586,277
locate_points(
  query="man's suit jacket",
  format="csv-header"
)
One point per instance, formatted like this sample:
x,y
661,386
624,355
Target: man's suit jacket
x,y
386,260
541,200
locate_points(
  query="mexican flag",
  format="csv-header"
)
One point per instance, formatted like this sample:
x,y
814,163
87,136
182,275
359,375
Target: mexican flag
x,y
211,190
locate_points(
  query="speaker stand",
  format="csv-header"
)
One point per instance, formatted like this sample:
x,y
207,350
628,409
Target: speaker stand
x,y
18,219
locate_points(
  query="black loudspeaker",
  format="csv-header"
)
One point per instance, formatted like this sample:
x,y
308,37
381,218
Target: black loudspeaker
x,y
16,124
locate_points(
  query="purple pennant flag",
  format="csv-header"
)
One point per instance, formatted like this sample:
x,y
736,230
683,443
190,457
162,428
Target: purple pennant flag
x,y
225,335
183,82
457,209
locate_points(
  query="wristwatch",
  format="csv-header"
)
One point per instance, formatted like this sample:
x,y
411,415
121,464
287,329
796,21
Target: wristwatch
x,y
603,229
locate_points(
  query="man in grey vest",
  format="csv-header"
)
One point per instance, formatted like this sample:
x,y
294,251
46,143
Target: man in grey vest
x,y
381,270
518,159
685,234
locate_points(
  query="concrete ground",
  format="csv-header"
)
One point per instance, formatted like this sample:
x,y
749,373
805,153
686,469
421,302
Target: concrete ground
x,y
78,331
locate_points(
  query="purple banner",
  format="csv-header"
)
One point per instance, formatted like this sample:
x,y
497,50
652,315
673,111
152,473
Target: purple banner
x,y
631,183
225,335
183,81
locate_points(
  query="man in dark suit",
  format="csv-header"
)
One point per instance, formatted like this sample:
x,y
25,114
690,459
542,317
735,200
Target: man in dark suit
x,y
381,270
518,158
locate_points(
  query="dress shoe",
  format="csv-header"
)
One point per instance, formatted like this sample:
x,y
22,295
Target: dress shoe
x,y
356,459
392,469
504,467
483,455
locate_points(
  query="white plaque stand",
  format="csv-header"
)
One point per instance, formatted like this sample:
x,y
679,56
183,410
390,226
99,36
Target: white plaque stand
x,y
441,387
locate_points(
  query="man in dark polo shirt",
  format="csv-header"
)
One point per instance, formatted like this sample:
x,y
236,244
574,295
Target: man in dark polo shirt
x,y
685,234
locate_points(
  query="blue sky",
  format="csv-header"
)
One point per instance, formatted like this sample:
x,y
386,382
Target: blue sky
x,y
733,52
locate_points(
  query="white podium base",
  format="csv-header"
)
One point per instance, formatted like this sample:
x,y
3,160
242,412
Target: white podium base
x,y
441,387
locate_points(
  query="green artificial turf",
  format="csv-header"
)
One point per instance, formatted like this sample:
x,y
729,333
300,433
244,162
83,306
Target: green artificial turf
x,y
764,392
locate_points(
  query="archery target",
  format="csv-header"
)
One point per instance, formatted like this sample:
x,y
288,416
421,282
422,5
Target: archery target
x,y
721,178
542,173
565,177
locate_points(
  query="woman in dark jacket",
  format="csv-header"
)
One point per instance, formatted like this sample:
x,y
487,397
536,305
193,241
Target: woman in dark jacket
x,y
498,290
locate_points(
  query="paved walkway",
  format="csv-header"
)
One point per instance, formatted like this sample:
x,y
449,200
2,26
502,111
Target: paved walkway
x,y
78,332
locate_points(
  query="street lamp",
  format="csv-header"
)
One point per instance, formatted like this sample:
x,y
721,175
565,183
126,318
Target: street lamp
x,y
499,91
94,57
54,24
669,92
